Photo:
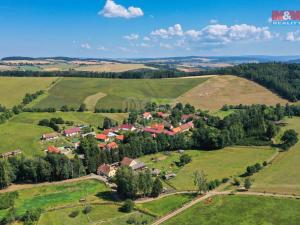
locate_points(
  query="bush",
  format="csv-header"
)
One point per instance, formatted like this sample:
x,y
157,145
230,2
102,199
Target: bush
x,y
236,182
265,163
127,206
225,180
7,200
31,216
73,214
87,209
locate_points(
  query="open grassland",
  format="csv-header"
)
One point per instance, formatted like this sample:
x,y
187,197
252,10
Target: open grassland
x,y
241,210
112,67
166,204
50,196
231,161
22,131
231,90
13,89
283,176
120,93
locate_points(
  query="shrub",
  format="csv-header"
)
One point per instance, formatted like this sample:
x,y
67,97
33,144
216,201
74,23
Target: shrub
x,y
87,209
225,180
73,214
127,206
236,182
265,163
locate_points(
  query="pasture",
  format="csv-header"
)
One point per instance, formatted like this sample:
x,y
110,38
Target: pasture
x,y
228,162
230,90
238,210
120,93
22,131
13,89
283,176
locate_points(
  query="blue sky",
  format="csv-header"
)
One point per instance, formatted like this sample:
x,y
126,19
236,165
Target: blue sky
x,y
145,28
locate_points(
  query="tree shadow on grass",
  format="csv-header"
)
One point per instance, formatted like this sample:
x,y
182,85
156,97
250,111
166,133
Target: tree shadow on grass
x,y
108,196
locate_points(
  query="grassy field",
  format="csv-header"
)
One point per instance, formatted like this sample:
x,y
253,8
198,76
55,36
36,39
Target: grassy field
x,y
241,210
22,131
167,204
283,176
13,89
230,90
231,161
49,196
115,67
120,93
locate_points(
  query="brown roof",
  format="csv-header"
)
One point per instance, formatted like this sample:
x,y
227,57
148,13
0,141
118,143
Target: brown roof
x,y
53,149
50,135
101,137
126,161
112,145
104,168
120,137
187,126
176,129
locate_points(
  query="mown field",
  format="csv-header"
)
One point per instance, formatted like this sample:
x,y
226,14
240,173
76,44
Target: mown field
x,y
231,161
283,176
13,89
241,210
231,90
22,131
116,93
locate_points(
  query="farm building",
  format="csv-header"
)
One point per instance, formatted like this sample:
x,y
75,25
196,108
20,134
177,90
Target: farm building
x,y
50,136
106,170
134,164
87,134
53,149
102,137
187,126
112,145
120,137
147,115
72,131
127,127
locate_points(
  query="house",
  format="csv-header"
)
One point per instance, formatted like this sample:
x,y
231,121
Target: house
x,y
152,131
169,133
10,154
127,127
120,137
147,115
176,130
53,149
87,134
134,164
102,137
106,170
50,136
158,126
187,126
112,145
162,115
185,117
101,145
72,131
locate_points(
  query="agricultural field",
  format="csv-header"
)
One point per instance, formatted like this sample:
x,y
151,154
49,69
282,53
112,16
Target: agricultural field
x,y
112,67
22,131
13,89
283,176
228,162
115,93
230,90
250,210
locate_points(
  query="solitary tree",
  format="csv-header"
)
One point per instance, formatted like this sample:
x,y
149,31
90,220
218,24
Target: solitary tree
x,y
157,187
200,181
247,183
289,138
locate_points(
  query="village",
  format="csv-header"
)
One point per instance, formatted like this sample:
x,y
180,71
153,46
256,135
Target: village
x,y
153,123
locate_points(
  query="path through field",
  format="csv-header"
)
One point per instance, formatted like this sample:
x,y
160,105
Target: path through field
x,y
91,101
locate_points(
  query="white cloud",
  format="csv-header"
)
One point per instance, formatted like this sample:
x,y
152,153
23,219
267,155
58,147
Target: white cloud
x,y
166,46
175,30
293,36
213,21
86,46
132,37
146,38
102,48
113,10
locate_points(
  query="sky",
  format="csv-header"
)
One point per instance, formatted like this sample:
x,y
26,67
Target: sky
x,y
145,28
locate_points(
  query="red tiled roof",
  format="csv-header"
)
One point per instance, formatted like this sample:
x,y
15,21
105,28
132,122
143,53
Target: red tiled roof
x,y
101,137
112,145
187,126
104,168
106,131
126,126
152,131
126,161
120,137
158,126
186,116
176,130
53,149
72,130
101,145
170,133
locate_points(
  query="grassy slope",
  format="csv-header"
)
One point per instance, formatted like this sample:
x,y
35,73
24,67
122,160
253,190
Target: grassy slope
x,y
241,210
283,175
167,204
219,164
23,132
13,89
73,91
50,196
230,90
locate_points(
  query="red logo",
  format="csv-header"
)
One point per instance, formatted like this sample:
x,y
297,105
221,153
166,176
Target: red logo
x,y
286,15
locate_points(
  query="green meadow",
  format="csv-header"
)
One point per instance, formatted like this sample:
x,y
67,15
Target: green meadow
x,y
283,176
228,162
240,210
116,93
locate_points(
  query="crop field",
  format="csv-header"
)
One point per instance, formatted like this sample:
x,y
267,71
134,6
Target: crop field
x,y
51,196
120,93
166,204
113,67
230,90
13,89
283,176
22,131
231,161
250,210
